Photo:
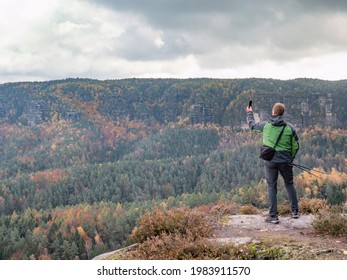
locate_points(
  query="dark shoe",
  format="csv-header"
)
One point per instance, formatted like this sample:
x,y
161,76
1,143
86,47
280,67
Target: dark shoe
x,y
272,220
295,214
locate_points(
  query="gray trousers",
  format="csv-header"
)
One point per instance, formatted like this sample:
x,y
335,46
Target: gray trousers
x,y
271,175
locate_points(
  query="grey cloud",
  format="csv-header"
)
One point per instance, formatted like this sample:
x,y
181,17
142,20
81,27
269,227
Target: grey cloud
x,y
282,29
323,5
117,36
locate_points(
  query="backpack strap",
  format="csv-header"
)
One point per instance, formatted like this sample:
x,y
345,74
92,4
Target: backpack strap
x,y
280,135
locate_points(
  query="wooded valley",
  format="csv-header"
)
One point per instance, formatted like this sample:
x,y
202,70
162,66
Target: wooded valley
x,y
81,160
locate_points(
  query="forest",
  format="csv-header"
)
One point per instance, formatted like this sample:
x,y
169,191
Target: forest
x,y
81,160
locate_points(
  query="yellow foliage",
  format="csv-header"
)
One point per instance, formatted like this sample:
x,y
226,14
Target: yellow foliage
x,y
307,179
308,191
119,209
311,184
98,240
81,232
163,205
315,190
182,121
311,205
337,178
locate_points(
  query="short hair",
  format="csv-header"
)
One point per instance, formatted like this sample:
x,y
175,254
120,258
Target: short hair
x,y
278,109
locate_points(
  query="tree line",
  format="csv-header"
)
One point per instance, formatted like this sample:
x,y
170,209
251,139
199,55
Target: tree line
x,y
174,161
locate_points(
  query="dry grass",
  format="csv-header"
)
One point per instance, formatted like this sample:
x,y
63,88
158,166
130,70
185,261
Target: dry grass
x,y
332,222
182,221
185,234
248,209
312,205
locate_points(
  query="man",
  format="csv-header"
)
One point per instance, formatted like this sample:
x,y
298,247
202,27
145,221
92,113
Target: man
x,y
286,149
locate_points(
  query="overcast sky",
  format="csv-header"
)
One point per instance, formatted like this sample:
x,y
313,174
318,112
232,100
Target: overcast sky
x,y
114,39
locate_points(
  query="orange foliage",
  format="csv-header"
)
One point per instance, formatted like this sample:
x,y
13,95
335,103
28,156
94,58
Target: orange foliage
x,y
51,176
337,178
44,257
53,147
37,230
27,160
18,255
143,133
132,136
113,133
136,124
89,109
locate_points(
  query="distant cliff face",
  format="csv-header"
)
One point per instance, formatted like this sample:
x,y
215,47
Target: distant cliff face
x,y
315,108
308,102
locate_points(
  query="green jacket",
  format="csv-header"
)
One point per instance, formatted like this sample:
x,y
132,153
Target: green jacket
x,y
288,145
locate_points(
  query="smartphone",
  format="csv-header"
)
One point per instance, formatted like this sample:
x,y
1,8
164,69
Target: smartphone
x,y
250,103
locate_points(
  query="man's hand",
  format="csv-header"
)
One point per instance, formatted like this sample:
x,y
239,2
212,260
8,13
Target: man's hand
x,y
249,109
